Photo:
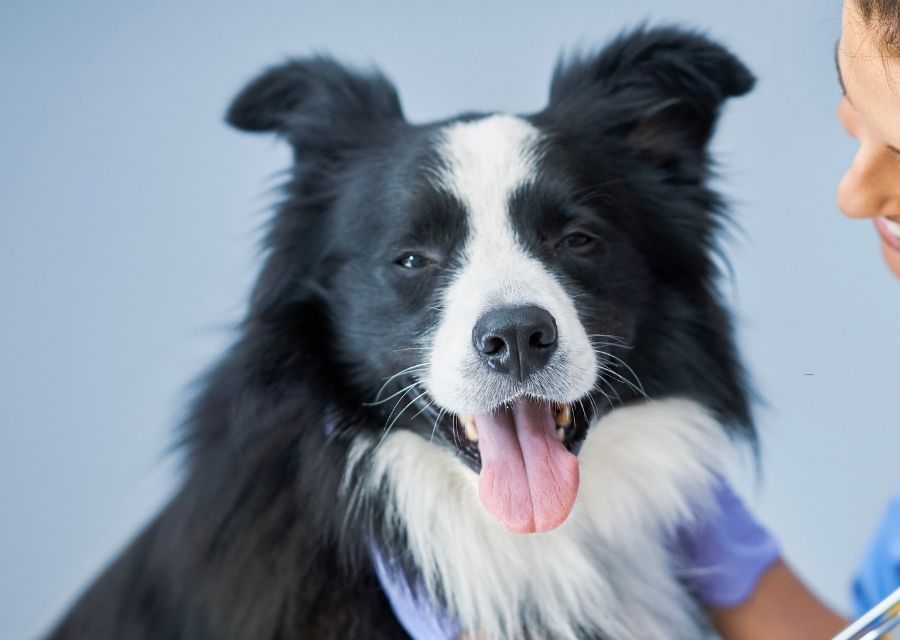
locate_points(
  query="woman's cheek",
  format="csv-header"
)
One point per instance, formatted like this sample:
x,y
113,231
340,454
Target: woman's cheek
x,y
848,117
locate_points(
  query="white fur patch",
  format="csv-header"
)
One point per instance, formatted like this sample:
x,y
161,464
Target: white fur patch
x,y
645,469
485,161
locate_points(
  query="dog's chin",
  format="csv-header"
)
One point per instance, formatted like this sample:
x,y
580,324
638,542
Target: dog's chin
x,y
525,453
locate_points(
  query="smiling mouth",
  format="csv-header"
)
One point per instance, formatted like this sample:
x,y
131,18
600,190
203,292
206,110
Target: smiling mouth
x,y
562,415
890,231
524,452
462,431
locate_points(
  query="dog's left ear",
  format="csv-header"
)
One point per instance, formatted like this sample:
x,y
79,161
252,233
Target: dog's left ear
x,y
661,88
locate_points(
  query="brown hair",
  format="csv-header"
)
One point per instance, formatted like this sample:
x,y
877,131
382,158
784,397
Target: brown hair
x,y
886,17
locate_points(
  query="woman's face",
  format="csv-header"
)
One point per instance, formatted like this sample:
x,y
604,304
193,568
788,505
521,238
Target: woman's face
x,y
870,111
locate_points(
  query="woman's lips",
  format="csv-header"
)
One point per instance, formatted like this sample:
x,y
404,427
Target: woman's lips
x,y
889,230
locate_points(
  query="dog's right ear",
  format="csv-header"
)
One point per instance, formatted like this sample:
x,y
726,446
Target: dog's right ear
x,y
315,103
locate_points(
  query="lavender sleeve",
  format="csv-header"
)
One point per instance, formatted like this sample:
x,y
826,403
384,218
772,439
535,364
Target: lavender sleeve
x,y
723,557
726,553
422,618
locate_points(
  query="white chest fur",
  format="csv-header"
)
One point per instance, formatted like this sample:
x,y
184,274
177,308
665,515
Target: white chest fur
x,y
645,470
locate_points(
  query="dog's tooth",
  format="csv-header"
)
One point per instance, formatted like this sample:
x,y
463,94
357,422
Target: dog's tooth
x,y
560,433
468,423
564,415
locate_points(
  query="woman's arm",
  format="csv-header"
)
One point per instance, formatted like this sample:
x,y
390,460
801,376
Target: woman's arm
x,y
780,607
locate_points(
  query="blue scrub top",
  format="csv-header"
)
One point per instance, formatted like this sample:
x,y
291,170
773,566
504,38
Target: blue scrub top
x,y
878,574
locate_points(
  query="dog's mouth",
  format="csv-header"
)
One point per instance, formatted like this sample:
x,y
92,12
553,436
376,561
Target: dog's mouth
x,y
524,451
562,416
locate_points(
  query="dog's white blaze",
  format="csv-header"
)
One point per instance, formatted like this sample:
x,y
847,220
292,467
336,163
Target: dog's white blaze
x,y
485,161
645,470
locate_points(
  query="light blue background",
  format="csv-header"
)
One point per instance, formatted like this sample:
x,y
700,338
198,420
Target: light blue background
x,y
130,216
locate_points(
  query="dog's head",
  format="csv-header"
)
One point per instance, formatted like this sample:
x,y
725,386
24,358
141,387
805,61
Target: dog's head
x,y
496,282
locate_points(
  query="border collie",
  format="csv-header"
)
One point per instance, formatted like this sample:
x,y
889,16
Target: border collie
x,y
491,348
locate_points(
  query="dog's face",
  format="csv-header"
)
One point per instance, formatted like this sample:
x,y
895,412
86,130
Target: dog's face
x,y
495,282
477,288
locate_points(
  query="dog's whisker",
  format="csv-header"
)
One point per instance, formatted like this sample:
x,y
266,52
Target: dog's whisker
x,y
387,429
419,365
454,425
599,388
622,379
423,409
616,345
398,374
393,395
605,335
397,404
635,385
594,404
617,341
440,415
637,380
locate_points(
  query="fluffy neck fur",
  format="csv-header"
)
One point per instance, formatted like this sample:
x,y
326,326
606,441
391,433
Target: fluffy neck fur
x,y
606,572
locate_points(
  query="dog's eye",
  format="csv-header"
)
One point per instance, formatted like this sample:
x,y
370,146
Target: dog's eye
x,y
413,261
574,240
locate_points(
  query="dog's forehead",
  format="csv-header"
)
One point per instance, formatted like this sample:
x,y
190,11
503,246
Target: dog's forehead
x,y
484,161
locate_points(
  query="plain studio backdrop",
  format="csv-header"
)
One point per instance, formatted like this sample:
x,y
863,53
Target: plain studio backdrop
x,y
131,219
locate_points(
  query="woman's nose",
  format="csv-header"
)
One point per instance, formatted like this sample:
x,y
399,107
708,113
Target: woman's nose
x,y
861,193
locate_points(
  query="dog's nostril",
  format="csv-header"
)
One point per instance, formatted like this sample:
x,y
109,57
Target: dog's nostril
x,y
492,345
544,337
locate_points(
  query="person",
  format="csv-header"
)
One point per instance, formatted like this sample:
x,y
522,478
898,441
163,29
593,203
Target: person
x,y
754,594
868,61
868,65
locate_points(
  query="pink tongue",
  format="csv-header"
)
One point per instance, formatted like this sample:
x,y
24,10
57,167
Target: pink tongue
x,y
528,478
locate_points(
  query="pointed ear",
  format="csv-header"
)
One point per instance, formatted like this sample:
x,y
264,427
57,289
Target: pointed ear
x,y
315,103
661,88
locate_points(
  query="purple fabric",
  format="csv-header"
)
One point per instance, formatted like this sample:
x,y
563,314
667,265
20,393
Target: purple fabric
x,y
724,557
726,554
422,619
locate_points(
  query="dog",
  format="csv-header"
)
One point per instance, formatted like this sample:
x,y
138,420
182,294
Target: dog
x,y
490,350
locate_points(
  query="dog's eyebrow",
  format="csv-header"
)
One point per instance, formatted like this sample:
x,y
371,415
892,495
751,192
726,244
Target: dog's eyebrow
x,y
837,65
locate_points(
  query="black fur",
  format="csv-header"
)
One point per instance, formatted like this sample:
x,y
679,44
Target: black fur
x,y
259,542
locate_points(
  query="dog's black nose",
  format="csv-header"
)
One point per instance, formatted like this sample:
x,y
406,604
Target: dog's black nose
x,y
516,340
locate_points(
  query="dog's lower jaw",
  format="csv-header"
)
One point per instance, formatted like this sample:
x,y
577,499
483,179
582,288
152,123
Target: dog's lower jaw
x,y
607,572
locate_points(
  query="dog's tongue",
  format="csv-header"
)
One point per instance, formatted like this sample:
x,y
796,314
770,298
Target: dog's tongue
x,y
528,478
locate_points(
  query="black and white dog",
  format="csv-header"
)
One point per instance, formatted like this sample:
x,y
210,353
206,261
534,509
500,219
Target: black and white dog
x,y
491,348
